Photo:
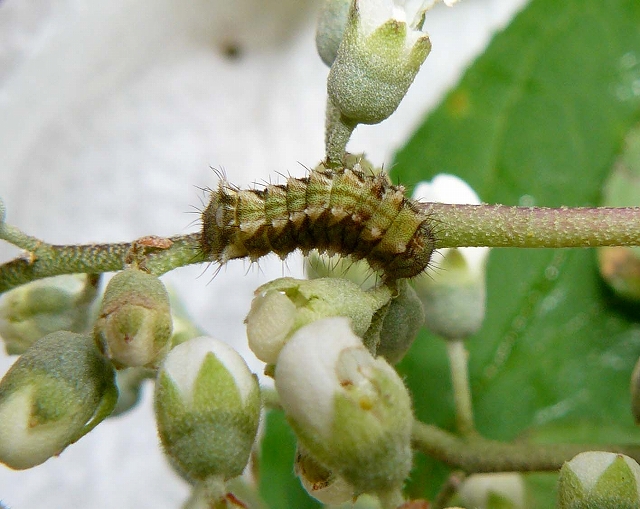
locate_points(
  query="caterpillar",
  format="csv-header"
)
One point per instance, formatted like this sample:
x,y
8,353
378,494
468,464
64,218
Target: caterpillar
x,y
346,211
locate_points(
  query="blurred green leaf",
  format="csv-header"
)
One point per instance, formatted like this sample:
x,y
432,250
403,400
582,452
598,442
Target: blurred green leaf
x,y
279,486
537,119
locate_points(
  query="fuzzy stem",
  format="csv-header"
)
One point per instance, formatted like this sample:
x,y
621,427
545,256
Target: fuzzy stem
x,y
18,238
456,226
458,356
49,260
475,454
338,131
502,226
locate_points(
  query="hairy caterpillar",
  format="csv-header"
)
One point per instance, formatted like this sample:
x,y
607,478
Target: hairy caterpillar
x,y
346,212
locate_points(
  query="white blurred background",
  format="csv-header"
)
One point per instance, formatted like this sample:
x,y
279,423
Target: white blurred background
x,y
113,113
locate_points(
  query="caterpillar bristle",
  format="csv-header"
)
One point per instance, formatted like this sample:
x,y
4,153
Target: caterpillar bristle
x,y
350,212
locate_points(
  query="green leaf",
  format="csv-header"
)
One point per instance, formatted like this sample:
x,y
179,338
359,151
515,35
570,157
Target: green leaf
x,y
279,487
537,119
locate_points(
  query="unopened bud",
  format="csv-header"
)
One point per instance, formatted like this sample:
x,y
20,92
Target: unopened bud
x,y
378,58
453,292
282,306
55,393
596,480
349,410
36,309
401,324
207,406
487,491
134,325
320,482
331,23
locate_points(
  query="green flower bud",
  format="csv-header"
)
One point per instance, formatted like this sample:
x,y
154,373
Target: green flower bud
x,y
487,491
453,292
282,306
350,411
377,60
55,393
401,323
207,405
320,482
331,23
34,310
599,480
134,325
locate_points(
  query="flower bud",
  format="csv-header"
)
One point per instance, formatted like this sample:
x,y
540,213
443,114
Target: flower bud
x,y
207,405
321,265
134,325
595,480
485,491
350,411
283,306
331,23
320,482
36,309
55,393
401,324
453,292
378,58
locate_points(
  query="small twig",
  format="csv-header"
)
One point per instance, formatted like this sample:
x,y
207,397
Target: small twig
x,y
49,260
475,454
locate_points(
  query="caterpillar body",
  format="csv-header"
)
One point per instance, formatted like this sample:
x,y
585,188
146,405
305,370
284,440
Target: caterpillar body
x,y
346,212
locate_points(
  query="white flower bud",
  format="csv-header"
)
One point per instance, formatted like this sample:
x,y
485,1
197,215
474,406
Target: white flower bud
x,y
36,309
483,491
134,325
320,482
350,411
207,406
453,292
283,306
55,393
378,58
595,480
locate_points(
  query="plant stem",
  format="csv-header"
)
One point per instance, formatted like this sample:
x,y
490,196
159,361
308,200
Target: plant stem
x,y
18,238
49,260
337,134
456,226
475,454
501,226
448,490
458,357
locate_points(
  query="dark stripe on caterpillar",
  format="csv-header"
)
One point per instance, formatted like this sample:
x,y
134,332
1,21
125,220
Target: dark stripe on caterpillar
x,y
346,212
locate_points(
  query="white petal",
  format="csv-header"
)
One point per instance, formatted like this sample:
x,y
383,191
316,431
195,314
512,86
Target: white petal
x,y
445,188
184,361
306,377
